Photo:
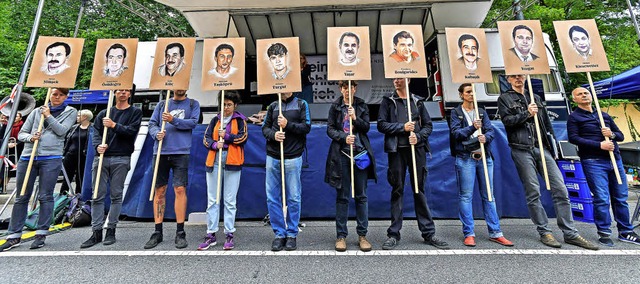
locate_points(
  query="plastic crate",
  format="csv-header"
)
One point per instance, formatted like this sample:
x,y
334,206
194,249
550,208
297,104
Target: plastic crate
x,y
582,210
578,189
571,170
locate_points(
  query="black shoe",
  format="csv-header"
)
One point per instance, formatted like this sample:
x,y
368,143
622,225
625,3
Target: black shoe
x,y
9,244
181,240
290,244
155,239
390,243
110,237
95,238
277,244
433,241
38,242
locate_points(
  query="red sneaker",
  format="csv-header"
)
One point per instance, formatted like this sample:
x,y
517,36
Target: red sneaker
x,y
503,241
470,241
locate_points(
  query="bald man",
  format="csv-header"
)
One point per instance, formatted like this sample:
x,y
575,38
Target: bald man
x,y
585,131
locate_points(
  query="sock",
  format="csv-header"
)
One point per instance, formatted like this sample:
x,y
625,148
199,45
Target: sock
x,y
180,227
159,227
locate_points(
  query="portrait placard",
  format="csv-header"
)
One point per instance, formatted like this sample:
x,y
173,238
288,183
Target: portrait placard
x,y
172,64
55,62
278,63
581,46
223,64
114,64
348,53
468,55
523,47
403,51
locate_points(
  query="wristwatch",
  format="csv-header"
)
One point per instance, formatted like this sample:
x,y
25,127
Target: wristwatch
x,y
613,136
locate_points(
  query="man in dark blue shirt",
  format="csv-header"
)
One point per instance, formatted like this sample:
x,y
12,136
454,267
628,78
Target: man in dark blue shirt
x,y
585,130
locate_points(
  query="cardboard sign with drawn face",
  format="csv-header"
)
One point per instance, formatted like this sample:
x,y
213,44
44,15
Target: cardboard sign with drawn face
x,y
172,64
403,51
348,53
468,55
55,62
278,65
114,64
523,47
223,64
581,46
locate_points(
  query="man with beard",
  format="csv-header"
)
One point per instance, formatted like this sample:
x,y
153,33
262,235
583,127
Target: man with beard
x,y
403,48
349,45
115,57
224,57
173,60
57,55
278,57
469,46
523,43
581,41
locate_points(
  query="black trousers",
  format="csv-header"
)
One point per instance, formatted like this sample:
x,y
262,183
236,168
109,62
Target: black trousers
x,y
399,162
74,166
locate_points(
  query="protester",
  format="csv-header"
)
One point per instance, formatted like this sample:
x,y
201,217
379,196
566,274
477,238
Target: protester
x,y
75,150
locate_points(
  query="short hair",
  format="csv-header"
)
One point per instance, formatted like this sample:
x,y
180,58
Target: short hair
x,y
462,86
65,91
513,75
345,83
224,46
520,27
175,44
116,46
86,113
402,34
277,49
351,35
466,37
232,96
67,48
577,29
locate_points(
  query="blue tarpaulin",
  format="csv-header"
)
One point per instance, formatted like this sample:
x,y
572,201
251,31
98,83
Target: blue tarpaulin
x,y
625,85
77,97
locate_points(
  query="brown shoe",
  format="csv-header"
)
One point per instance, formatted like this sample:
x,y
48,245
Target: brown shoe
x,y
550,241
582,242
341,244
364,244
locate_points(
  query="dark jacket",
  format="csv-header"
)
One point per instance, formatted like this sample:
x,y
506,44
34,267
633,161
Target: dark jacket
x,y
67,138
521,130
388,122
333,172
584,130
298,126
461,130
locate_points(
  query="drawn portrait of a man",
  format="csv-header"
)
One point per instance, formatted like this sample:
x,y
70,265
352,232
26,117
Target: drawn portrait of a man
x,y
349,45
174,60
223,57
581,41
278,58
469,47
57,54
403,45
115,60
523,43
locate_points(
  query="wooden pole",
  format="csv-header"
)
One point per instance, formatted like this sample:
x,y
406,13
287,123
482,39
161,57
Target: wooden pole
x,y
484,156
353,188
413,147
157,162
284,192
220,139
25,181
595,100
539,136
104,141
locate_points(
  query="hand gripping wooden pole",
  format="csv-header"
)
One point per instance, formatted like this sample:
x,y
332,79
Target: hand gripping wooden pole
x,y
539,136
25,181
484,155
219,152
157,162
413,147
284,192
353,188
104,141
595,100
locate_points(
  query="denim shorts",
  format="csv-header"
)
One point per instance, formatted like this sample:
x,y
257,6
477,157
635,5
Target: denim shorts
x,y
180,166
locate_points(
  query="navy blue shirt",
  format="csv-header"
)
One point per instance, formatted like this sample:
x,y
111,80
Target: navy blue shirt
x,y
584,131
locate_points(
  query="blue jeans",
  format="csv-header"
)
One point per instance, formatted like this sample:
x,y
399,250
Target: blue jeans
x,y
343,196
229,187
114,173
469,170
292,170
48,171
607,192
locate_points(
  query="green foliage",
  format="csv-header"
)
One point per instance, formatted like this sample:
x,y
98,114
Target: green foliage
x,y
100,19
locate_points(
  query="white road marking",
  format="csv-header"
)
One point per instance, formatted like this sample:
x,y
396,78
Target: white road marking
x,y
324,253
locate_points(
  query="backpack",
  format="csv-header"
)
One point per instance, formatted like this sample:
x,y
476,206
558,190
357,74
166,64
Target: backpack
x,y
60,205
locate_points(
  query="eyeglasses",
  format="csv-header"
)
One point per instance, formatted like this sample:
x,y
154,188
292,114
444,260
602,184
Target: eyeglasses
x,y
228,105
